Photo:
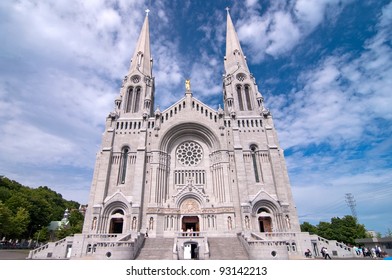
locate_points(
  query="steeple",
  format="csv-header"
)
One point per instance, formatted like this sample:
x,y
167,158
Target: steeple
x,y
141,60
234,58
241,94
137,92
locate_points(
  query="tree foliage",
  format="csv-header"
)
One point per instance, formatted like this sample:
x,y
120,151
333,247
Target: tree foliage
x,y
345,229
24,211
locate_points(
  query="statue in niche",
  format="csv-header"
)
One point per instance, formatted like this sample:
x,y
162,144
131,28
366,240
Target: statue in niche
x,y
288,222
229,223
94,224
247,224
151,224
134,223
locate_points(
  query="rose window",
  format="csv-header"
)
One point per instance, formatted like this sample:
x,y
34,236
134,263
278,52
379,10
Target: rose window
x,y
189,153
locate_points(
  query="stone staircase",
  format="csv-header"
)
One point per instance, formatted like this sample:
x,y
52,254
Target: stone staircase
x,y
157,249
226,248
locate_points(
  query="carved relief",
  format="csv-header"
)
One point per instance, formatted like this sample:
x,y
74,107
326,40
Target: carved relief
x,y
190,206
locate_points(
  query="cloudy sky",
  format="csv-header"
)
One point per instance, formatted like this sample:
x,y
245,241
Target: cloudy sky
x,y
324,68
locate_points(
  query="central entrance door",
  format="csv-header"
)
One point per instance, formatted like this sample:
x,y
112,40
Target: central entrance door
x,y
190,223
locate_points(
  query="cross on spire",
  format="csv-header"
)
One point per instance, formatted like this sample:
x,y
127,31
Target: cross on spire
x,y
147,11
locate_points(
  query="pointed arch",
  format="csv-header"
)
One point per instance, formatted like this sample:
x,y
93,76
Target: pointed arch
x,y
129,99
253,149
123,165
137,100
247,98
239,97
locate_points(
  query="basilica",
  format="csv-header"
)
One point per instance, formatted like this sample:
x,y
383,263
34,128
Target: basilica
x,y
190,181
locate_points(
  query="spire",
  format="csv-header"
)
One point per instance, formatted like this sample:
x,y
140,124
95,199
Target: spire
x,y
234,55
141,60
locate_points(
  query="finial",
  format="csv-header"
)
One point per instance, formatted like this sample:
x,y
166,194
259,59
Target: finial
x,y
227,9
147,11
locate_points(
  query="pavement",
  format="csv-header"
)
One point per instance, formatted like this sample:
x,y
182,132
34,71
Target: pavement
x,y
16,254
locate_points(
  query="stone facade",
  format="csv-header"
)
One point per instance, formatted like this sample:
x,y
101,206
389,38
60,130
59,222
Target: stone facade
x,y
190,171
190,166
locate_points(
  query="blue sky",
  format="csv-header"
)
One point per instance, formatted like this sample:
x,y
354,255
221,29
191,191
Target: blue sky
x,y
324,68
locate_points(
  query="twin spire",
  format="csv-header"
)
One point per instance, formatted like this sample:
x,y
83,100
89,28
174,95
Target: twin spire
x,y
142,62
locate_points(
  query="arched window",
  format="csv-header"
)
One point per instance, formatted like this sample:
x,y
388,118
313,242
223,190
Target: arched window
x,y
253,153
137,100
128,103
123,166
247,97
139,58
239,95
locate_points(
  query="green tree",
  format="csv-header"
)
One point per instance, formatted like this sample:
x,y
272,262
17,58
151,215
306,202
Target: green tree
x,y
345,229
5,220
307,227
42,205
19,223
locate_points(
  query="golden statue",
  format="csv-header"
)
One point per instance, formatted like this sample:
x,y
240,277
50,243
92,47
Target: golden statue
x,y
188,84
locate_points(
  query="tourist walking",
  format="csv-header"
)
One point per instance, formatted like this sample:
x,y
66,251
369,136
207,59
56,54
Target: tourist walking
x,y
326,254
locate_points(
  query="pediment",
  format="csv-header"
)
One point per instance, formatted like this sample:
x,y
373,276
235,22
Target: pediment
x,y
118,196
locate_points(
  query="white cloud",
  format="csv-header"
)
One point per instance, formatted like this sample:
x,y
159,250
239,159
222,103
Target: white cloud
x,y
281,26
340,97
283,34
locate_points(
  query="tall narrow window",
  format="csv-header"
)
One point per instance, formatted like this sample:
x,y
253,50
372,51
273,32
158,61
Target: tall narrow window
x,y
247,97
137,100
124,162
239,94
253,152
128,103
139,58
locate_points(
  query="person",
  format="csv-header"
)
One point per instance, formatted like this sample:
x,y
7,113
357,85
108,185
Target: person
x,y
373,253
326,254
322,252
308,254
378,251
146,232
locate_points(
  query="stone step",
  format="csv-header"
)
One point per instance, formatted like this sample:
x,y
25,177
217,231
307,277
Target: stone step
x,y
157,249
226,248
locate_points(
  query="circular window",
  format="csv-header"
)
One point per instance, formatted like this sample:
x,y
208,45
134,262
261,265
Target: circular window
x,y
241,77
108,254
273,253
135,79
189,153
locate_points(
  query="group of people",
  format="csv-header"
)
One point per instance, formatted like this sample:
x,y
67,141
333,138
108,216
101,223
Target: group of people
x,y
324,253
374,252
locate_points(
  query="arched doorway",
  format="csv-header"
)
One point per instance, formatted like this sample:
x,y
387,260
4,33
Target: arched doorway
x,y
191,251
190,223
265,224
116,225
116,221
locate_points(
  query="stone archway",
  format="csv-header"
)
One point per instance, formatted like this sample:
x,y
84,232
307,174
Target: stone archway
x,y
265,224
190,221
116,221
116,225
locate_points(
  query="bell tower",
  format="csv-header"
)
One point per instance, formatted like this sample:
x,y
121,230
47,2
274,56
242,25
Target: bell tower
x,y
241,95
137,92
